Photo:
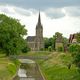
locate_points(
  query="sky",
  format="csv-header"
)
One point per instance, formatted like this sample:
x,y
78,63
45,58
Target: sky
x,y
56,15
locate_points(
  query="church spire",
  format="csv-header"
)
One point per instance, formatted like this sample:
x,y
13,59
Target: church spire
x,y
39,19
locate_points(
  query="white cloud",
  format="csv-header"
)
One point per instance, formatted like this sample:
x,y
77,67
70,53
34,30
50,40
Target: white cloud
x,y
66,24
55,12
73,11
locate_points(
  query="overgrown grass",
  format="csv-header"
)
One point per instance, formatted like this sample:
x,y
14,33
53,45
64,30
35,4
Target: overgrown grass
x,y
36,53
8,67
56,67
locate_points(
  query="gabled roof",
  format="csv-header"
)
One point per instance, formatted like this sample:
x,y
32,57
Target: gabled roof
x,y
31,38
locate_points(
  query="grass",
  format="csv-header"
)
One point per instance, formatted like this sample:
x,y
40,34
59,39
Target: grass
x,y
56,67
36,53
8,68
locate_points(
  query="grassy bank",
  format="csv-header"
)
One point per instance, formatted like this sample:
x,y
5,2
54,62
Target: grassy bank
x,y
56,67
8,67
36,53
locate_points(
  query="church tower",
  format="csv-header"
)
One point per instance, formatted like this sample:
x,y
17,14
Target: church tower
x,y
39,35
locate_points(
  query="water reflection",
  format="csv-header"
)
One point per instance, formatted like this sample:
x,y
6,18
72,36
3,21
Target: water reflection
x,y
22,73
28,71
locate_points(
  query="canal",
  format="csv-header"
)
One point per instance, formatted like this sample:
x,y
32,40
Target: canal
x,y
29,70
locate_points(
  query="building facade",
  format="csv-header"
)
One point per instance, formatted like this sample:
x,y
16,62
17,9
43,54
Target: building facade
x,y
72,38
59,42
36,42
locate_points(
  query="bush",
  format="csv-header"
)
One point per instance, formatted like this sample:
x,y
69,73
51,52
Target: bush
x,y
74,49
42,49
49,48
60,49
12,68
26,49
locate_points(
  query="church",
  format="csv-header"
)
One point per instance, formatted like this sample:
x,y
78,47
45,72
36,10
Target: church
x,y
36,42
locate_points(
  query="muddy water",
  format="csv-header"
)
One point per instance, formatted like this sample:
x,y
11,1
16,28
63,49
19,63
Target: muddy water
x,y
28,71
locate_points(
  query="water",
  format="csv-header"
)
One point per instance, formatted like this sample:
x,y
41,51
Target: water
x,y
28,71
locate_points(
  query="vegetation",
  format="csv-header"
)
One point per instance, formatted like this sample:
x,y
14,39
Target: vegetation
x,y
56,67
37,53
60,49
8,68
78,37
11,35
75,50
50,43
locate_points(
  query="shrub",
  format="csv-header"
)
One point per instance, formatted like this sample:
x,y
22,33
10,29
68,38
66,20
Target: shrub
x,y
49,48
60,49
26,49
42,49
74,49
11,68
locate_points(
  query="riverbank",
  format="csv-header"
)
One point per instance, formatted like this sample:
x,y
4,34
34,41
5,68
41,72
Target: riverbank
x,y
8,67
56,66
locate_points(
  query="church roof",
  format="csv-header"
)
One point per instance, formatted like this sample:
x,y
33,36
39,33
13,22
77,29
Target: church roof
x,y
39,22
39,19
30,38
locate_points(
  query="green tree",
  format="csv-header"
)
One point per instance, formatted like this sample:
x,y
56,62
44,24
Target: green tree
x,y
49,42
75,50
78,37
49,48
11,35
58,34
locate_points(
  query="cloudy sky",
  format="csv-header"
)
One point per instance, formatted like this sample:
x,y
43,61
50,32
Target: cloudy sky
x,y
56,15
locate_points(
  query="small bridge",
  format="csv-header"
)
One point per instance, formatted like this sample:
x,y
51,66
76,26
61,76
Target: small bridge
x,y
30,57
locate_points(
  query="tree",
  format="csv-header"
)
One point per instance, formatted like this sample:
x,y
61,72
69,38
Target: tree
x,y
75,50
49,42
11,35
49,48
78,37
58,35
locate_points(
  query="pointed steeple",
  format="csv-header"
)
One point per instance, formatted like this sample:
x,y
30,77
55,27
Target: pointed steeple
x,y
39,19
